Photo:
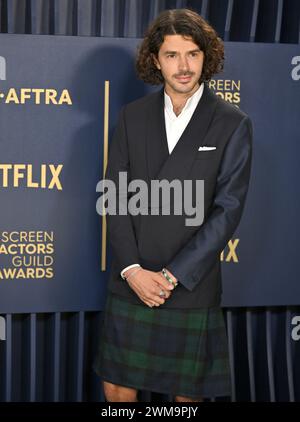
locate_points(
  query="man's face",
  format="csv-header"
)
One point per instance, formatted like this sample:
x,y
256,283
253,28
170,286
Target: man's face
x,y
180,61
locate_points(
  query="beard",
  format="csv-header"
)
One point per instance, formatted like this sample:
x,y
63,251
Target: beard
x,y
183,88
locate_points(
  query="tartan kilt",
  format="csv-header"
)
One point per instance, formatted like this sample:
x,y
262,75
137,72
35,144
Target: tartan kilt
x,y
180,352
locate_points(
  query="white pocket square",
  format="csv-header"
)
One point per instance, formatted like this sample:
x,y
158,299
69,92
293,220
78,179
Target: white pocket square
x,y
204,148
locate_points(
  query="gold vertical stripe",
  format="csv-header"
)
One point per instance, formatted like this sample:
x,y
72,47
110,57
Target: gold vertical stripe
x,y
105,157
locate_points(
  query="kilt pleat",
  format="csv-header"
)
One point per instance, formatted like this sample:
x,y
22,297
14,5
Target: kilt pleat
x,y
170,351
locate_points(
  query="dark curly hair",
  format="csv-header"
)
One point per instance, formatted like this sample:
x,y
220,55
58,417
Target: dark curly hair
x,y
183,22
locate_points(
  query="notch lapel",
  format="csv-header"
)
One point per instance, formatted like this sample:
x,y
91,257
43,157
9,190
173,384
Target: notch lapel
x,y
157,151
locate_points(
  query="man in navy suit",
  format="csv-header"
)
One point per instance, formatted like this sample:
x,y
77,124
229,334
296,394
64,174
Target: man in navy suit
x,y
166,275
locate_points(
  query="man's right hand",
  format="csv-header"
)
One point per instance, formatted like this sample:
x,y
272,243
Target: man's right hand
x,y
147,285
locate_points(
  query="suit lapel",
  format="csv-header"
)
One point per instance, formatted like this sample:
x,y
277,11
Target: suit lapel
x,y
157,151
161,164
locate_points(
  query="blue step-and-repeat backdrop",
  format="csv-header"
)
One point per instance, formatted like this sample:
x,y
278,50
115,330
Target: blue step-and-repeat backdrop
x,y
56,95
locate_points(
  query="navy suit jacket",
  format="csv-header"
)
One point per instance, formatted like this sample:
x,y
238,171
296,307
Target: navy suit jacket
x,y
192,253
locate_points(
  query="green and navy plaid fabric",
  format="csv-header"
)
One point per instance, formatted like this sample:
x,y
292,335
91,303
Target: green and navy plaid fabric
x,y
171,351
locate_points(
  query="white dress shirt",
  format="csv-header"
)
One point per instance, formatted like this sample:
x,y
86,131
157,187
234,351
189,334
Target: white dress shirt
x,y
175,126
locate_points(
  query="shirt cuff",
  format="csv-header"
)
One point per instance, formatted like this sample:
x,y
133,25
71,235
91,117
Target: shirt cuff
x,y
127,268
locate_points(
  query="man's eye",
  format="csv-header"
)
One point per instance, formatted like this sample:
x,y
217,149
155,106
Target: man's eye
x,y
171,55
194,54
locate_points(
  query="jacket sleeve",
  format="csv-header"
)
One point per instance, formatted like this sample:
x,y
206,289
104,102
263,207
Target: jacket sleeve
x,y
120,227
198,256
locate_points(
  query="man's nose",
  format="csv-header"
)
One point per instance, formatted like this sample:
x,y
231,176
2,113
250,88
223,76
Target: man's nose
x,y
183,64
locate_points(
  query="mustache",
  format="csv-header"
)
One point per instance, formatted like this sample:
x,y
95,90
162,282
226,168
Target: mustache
x,y
178,75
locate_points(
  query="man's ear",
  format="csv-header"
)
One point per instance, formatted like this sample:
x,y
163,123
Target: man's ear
x,y
155,61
